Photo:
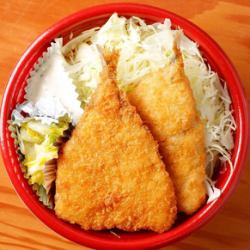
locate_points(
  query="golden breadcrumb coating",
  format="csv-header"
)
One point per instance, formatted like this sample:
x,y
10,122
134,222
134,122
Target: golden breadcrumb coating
x,y
165,102
110,174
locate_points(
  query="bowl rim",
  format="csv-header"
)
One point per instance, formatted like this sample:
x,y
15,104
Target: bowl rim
x,y
198,219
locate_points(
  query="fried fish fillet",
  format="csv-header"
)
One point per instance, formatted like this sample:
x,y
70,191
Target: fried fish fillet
x,y
110,174
165,102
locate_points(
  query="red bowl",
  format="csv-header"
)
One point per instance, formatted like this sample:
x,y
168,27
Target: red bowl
x,y
76,23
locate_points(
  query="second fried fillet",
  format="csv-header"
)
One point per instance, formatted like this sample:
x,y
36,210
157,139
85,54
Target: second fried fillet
x,y
110,174
165,102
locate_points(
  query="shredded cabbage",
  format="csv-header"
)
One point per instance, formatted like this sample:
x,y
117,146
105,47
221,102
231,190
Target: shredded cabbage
x,y
85,70
213,102
136,42
112,34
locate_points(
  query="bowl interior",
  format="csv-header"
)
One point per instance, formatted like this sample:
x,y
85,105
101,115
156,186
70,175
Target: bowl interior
x,y
15,94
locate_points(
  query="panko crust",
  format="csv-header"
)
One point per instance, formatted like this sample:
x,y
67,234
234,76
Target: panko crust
x,y
166,104
110,173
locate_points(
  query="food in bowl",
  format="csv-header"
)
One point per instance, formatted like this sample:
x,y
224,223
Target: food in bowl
x,y
61,87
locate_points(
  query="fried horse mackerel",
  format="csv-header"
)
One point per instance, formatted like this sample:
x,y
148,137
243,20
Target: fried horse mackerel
x,y
165,102
110,174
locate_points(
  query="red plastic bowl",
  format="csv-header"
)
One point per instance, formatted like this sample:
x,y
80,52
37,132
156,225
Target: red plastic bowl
x,y
14,93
